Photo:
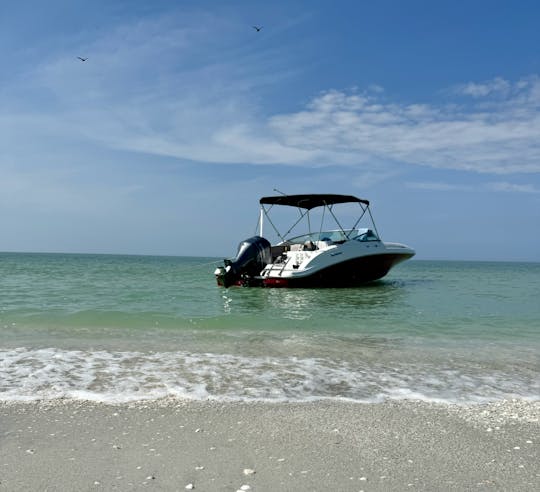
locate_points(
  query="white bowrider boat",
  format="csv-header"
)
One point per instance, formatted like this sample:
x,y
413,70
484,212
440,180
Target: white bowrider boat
x,y
325,258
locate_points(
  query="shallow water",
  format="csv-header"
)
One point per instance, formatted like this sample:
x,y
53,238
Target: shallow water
x,y
121,328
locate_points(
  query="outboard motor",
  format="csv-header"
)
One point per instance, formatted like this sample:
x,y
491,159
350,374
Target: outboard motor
x,y
253,254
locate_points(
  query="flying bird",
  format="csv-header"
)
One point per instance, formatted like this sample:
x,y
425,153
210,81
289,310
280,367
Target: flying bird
x,y
257,28
82,59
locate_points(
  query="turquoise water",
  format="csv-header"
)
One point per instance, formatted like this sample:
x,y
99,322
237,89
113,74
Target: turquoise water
x,y
122,328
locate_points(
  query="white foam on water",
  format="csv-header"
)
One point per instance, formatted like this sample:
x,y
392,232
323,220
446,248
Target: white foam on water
x,y
117,377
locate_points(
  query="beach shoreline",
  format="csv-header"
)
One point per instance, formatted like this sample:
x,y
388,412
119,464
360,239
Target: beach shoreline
x,y
323,445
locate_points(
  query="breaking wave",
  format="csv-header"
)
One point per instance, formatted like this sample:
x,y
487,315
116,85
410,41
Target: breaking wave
x,y
119,376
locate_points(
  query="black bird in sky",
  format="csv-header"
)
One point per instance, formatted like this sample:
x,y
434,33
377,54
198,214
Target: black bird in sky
x,y
82,59
257,28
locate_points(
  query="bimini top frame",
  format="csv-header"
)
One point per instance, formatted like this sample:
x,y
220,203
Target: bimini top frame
x,y
305,203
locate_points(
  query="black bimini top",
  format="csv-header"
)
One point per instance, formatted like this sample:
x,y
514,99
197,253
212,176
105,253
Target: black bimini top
x,y
310,201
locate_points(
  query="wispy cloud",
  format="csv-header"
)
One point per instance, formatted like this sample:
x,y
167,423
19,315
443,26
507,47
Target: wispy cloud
x,y
162,88
520,92
495,86
512,187
438,186
500,138
159,87
341,128
497,186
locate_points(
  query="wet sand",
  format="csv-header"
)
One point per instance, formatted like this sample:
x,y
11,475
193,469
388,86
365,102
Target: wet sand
x,y
209,446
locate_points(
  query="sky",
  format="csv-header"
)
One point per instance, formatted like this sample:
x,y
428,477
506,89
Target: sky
x,y
184,115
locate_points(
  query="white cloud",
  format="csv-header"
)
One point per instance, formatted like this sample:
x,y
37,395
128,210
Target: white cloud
x,y
352,129
512,187
499,186
438,186
165,89
495,86
523,91
502,138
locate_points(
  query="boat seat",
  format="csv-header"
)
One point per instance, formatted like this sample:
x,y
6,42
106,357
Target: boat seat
x,y
309,246
297,247
324,243
278,249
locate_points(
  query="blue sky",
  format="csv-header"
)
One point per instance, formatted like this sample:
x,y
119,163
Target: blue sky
x,y
183,116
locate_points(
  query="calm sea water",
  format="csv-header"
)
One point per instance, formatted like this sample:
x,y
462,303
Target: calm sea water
x,y
123,328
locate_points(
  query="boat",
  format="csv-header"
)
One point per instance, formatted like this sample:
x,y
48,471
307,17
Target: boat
x,y
337,257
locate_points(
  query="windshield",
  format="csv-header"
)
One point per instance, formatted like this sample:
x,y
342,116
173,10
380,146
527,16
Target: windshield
x,y
329,236
366,235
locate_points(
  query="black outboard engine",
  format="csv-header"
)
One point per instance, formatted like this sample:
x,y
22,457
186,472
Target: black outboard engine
x,y
253,254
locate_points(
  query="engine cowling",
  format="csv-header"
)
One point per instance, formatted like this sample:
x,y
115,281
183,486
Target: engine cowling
x,y
252,255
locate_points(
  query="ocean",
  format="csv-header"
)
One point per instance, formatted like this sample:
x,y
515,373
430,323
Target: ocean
x,y
114,328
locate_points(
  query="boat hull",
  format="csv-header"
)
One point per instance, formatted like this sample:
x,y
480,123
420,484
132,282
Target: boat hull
x,y
349,273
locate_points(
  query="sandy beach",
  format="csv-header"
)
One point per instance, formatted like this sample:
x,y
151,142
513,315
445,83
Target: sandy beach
x,y
174,446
